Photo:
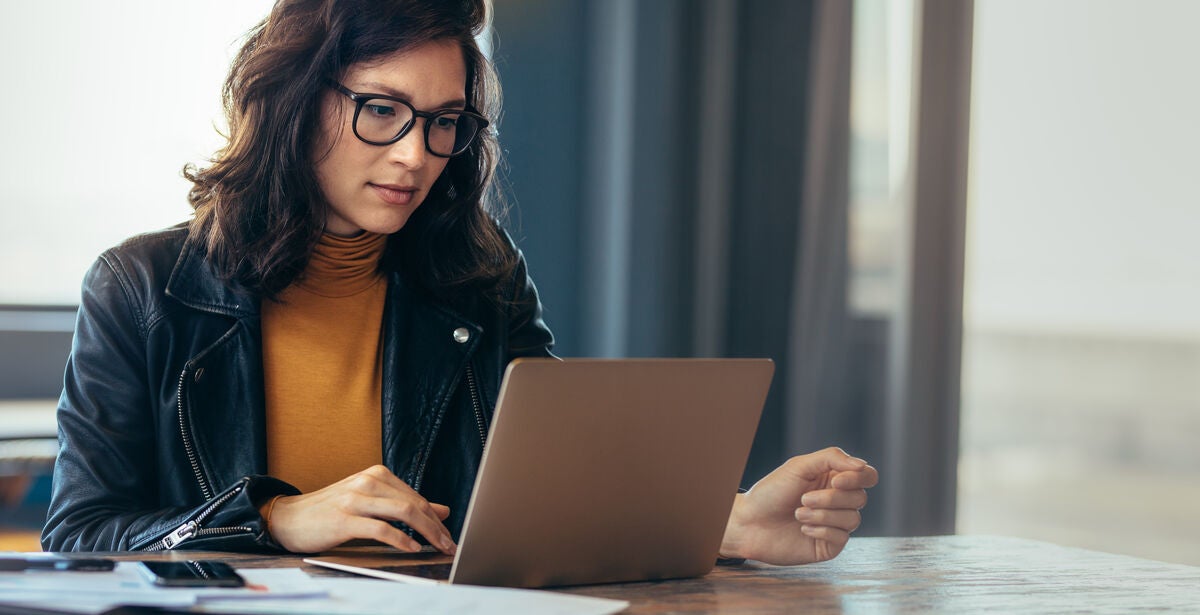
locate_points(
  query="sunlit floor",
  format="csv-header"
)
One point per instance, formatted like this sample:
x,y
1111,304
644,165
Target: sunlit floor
x,y
1083,442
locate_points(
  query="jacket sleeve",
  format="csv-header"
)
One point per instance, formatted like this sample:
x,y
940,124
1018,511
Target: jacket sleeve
x,y
528,335
105,486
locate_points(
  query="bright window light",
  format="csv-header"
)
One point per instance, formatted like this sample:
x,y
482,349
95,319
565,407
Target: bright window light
x,y
104,103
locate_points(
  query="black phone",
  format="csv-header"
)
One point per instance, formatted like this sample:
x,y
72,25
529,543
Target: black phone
x,y
191,574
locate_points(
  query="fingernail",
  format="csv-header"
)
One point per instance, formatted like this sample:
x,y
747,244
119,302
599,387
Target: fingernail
x,y
861,462
806,500
448,545
803,514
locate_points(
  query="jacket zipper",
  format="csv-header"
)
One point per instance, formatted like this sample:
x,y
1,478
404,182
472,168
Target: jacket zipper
x,y
476,405
188,448
192,528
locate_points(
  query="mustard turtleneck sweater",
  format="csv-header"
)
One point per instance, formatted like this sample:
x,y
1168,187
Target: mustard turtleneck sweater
x,y
323,364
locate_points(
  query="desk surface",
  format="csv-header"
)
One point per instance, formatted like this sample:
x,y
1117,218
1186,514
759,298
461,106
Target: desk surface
x,y
947,574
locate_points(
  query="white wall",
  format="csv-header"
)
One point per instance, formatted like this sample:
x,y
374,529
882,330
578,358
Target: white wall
x,y
1086,147
104,103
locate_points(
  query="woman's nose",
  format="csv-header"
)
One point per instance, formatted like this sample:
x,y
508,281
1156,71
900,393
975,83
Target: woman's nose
x,y
410,150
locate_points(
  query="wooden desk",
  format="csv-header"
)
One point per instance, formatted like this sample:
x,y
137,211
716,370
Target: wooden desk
x,y
949,574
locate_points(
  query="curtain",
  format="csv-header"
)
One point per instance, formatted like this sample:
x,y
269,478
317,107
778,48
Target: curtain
x,y
678,172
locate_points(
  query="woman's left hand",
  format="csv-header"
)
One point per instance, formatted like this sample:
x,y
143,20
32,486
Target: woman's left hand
x,y
802,512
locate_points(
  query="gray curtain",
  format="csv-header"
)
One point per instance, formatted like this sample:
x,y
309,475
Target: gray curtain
x,y
678,171
659,209
659,155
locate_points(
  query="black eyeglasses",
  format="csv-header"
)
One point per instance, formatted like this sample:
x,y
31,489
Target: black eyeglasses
x,y
383,120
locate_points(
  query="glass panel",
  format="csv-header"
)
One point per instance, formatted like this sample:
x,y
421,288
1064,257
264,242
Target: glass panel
x,y
880,102
1081,401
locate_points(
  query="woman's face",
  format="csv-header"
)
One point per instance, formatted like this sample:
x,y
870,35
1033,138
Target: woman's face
x,y
376,188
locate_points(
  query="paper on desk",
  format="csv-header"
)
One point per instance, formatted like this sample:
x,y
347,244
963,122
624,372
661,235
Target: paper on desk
x,y
367,596
94,592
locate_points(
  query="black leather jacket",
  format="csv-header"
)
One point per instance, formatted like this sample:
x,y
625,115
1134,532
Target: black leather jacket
x,y
161,420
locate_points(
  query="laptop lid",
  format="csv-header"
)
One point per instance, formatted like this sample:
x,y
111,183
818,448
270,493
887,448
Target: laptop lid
x,y
602,471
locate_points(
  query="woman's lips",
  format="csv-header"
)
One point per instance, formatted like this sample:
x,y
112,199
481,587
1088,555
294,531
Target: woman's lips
x,y
394,195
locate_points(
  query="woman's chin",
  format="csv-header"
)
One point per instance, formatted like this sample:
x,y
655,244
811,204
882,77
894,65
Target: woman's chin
x,y
380,226
387,228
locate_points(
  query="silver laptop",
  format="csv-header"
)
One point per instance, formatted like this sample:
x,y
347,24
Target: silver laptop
x,y
604,471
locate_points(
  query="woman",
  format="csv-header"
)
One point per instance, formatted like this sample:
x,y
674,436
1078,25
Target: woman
x,y
315,356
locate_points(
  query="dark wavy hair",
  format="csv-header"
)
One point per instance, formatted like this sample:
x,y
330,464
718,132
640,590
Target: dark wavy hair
x,y
259,210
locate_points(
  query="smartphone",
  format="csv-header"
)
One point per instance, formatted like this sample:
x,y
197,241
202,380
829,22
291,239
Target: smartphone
x,y
191,574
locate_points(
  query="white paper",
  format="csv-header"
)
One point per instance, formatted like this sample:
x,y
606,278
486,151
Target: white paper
x,y
288,590
93,592
366,596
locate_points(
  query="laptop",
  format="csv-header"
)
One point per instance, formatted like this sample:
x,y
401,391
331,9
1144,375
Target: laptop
x,y
602,471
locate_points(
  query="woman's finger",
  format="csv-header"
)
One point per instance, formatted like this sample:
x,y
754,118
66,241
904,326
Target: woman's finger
x,y
382,531
835,498
856,479
839,518
836,538
408,506
419,514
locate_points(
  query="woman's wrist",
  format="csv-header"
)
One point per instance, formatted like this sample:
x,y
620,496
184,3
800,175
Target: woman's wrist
x,y
730,551
267,510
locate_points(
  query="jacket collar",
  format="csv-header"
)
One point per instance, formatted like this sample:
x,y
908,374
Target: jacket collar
x,y
194,283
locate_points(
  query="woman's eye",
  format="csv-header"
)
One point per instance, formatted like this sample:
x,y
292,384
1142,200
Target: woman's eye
x,y
446,122
380,110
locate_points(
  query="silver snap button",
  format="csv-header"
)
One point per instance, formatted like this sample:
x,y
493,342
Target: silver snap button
x,y
199,374
461,335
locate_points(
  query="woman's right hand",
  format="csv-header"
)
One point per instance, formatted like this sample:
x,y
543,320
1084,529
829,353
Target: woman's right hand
x,y
359,506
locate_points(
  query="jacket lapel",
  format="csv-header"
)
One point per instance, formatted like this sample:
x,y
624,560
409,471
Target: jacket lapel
x,y
424,361
221,385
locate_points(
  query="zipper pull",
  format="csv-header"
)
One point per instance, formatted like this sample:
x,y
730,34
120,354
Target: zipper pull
x,y
182,533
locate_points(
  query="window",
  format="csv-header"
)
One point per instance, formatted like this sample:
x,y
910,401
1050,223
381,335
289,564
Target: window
x,y
879,142
1082,325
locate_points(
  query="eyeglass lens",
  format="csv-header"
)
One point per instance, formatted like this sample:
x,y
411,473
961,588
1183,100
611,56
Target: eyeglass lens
x,y
448,133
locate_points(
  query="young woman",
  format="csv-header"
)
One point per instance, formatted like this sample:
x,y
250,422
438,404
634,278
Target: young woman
x,y
316,355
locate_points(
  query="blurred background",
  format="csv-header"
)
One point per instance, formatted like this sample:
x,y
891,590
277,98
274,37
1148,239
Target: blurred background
x,y
963,230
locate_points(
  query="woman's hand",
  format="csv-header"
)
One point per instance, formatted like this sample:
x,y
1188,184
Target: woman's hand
x,y
802,512
358,506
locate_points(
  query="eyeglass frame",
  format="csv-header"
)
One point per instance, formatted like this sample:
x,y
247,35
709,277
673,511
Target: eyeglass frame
x,y
360,100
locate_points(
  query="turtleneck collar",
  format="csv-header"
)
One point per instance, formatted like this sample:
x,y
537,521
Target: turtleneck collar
x,y
344,266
